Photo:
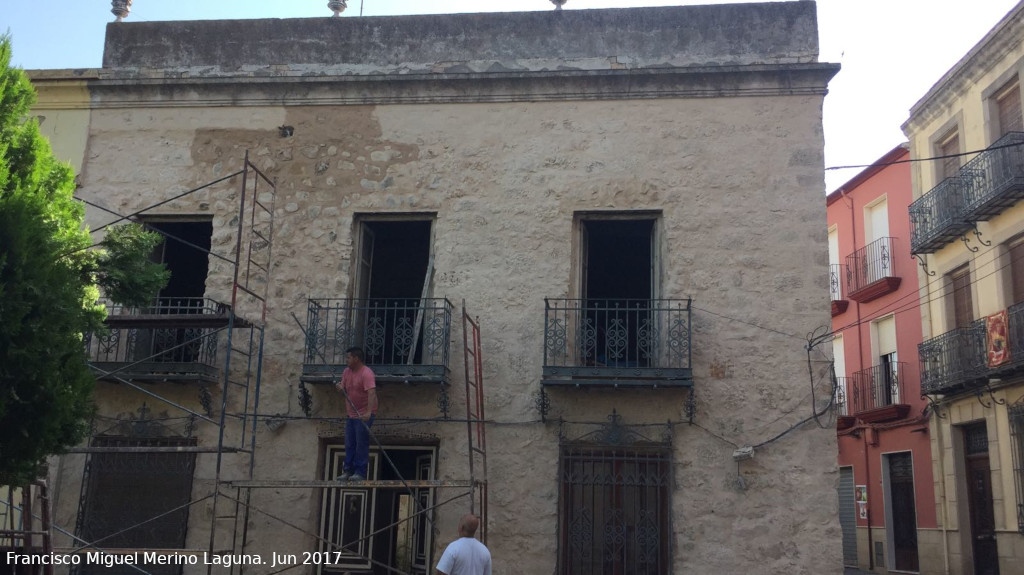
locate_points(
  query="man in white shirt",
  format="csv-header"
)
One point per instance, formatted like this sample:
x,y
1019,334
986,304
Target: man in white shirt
x,y
466,555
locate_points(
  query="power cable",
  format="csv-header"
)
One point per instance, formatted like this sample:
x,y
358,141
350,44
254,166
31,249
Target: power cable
x,y
930,159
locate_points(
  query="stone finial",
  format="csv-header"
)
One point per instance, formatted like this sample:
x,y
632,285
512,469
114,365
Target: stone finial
x,y
337,6
559,3
121,8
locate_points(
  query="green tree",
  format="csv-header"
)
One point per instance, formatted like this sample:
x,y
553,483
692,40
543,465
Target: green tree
x,y
48,288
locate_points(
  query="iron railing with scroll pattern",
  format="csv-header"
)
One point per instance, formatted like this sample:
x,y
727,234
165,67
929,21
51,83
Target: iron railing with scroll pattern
x,y
937,217
877,386
621,339
170,341
835,282
953,360
871,263
841,397
401,337
995,177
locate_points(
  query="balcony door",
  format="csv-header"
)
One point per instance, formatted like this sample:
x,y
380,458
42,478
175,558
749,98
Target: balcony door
x,y
618,271
394,264
185,251
877,262
886,389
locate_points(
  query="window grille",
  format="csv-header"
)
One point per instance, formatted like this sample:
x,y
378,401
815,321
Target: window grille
x,y
615,510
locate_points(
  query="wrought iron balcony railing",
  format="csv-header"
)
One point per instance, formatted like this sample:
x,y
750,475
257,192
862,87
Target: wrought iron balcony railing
x,y
995,178
835,282
954,360
612,342
175,339
871,270
404,340
841,399
937,217
876,387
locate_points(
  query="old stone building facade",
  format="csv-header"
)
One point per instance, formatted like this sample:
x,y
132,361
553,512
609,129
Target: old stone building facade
x,y
628,202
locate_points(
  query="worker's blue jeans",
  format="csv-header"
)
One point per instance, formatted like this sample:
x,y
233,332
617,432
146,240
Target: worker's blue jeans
x,y
357,445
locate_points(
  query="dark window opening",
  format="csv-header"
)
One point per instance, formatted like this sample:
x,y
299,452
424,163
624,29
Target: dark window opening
x,y
393,266
618,272
904,511
614,511
889,388
124,492
403,542
189,265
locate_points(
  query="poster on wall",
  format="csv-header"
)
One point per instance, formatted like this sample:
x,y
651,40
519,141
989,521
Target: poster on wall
x,y
860,493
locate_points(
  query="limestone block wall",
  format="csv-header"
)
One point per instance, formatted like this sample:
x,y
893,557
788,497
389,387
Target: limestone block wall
x,y
737,183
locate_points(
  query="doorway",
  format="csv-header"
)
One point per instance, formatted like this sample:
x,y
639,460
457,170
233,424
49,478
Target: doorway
x,y
901,511
979,499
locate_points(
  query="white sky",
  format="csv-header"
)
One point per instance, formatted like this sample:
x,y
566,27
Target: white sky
x,y
892,51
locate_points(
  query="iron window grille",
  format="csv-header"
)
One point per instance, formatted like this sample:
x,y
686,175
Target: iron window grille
x,y
614,510
126,498
404,339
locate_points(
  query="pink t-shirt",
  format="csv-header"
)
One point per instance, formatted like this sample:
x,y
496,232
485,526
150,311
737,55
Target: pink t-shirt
x,y
357,385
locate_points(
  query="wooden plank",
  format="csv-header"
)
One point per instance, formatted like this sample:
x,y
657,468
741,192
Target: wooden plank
x,y
423,302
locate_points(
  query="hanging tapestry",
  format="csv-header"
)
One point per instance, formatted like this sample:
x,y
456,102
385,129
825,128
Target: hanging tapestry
x,y
998,345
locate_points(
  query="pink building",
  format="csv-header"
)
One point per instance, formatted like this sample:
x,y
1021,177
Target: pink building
x,y
886,496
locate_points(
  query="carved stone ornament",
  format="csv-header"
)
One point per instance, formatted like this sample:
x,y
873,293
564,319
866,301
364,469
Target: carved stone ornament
x,y
337,6
121,8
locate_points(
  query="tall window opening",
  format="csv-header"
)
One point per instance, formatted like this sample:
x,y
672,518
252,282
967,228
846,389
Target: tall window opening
x,y
379,530
393,280
617,288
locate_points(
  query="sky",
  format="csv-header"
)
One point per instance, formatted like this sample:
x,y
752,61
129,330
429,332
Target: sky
x,y
891,51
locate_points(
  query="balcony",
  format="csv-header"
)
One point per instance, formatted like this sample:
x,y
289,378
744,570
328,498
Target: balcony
x,y
174,340
871,271
995,178
954,361
835,289
841,401
937,217
878,393
404,340
620,342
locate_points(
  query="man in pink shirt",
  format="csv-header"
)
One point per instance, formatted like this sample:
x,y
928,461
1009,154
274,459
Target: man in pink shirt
x,y
358,386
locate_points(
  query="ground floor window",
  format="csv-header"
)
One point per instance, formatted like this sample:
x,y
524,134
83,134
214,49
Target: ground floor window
x,y
614,511
379,530
136,500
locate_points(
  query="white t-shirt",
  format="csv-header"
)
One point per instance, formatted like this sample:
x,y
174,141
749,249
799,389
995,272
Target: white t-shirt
x,y
465,556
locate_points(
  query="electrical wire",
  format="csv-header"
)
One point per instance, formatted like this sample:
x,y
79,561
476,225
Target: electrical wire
x,y
929,159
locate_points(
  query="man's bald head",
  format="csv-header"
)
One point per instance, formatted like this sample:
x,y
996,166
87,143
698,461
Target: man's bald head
x,y
468,525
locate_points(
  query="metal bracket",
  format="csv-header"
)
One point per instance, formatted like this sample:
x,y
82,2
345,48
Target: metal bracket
x,y
543,404
305,399
444,402
967,244
206,400
921,261
690,407
991,394
934,405
977,234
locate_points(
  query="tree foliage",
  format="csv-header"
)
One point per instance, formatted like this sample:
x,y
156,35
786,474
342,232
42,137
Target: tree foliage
x,y
48,288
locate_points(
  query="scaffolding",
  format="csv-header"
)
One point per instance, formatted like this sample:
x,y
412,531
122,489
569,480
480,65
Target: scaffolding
x,y
244,321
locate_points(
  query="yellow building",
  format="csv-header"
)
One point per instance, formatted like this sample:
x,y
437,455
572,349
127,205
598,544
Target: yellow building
x,y
967,230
